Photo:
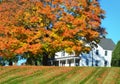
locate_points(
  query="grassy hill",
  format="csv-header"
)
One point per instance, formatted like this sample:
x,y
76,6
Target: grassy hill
x,y
59,75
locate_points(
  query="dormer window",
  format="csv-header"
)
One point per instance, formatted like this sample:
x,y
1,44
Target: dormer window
x,y
106,53
63,53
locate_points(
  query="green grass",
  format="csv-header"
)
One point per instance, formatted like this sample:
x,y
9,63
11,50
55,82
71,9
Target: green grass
x,y
59,75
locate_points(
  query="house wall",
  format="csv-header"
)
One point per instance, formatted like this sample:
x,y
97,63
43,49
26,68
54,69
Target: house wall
x,y
91,59
109,57
65,59
102,53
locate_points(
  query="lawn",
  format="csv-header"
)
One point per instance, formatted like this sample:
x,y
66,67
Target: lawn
x,y
59,75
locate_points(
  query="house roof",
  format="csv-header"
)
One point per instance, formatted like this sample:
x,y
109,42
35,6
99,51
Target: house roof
x,y
107,44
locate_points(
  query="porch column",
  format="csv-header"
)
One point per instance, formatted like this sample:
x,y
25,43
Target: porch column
x,y
74,61
66,63
80,62
59,62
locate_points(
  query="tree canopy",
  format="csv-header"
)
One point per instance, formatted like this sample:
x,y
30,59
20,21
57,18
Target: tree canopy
x,y
48,26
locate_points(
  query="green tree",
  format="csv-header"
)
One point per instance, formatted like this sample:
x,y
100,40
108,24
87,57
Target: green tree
x,y
116,55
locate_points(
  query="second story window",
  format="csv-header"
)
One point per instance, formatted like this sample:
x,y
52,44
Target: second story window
x,y
106,53
97,52
63,53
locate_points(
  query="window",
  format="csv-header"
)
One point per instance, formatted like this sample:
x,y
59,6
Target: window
x,y
77,62
105,53
97,52
87,62
69,61
63,62
105,63
97,63
63,53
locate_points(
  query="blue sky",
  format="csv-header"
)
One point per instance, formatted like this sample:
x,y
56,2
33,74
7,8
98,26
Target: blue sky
x,y
112,20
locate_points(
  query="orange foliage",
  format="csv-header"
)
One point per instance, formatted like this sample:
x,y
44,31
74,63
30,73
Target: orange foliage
x,y
48,26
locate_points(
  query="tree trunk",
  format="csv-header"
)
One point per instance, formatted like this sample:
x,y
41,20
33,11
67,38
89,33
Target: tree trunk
x,y
10,63
45,59
36,63
30,61
119,63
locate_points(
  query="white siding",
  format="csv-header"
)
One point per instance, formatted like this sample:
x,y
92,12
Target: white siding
x,y
91,59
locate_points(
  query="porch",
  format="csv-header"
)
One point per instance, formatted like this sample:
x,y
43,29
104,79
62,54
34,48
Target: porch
x,y
68,61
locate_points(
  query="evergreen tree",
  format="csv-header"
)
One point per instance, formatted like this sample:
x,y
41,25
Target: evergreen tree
x,y
116,55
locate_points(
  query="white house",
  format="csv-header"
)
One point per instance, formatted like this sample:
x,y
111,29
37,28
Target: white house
x,y
99,56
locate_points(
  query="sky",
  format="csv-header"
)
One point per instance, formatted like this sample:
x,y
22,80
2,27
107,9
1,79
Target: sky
x,y
112,20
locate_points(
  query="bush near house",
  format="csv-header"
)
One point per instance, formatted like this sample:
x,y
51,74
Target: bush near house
x,y
59,75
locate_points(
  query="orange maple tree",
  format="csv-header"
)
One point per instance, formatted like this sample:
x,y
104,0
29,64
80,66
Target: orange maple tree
x,y
48,26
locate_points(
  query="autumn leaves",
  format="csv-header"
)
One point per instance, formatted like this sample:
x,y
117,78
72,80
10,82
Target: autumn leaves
x,y
48,26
